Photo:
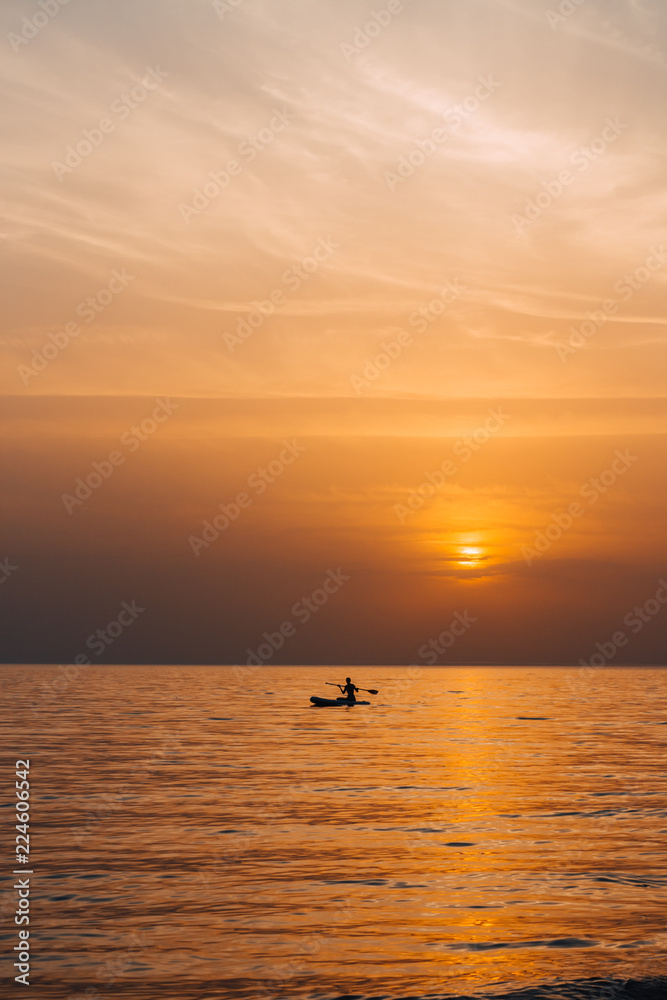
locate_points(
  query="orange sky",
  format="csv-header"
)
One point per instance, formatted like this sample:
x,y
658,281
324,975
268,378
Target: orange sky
x,y
422,243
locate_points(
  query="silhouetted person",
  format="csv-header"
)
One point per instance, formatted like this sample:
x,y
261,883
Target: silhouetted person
x,y
349,689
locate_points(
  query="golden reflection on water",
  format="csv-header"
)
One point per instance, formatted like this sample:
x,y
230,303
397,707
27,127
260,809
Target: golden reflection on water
x,y
487,826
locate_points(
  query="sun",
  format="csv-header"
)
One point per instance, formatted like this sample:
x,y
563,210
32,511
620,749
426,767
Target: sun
x,y
470,555
467,553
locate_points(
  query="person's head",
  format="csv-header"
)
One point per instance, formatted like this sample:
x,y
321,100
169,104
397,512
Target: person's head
x,y
347,680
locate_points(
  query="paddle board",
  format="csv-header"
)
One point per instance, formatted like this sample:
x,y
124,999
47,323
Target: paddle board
x,y
335,702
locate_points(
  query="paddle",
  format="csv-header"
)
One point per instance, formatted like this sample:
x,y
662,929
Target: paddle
x,y
367,690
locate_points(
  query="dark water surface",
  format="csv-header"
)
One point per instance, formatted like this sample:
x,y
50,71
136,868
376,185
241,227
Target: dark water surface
x,y
203,832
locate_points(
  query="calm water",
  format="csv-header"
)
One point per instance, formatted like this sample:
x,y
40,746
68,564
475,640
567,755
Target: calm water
x,y
475,831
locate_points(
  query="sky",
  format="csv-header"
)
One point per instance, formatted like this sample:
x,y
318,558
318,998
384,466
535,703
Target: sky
x,y
333,333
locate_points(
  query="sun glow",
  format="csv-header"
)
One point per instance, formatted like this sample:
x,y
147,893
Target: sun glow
x,y
470,555
465,551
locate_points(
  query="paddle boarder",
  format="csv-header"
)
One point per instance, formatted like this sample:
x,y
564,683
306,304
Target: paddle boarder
x,y
348,690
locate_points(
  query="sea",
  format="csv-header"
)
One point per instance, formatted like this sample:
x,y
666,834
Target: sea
x,y
204,832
